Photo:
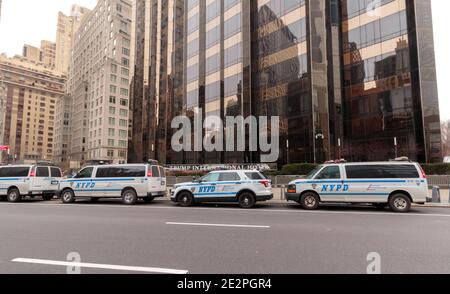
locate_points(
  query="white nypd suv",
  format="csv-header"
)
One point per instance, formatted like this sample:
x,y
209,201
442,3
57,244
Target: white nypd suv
x,y
397,184
240,186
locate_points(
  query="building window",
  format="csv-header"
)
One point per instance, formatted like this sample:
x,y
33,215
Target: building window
x,y
123,112
123,123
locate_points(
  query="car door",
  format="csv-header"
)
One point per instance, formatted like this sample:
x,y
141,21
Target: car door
x,y
82,183
55,178
366,183
162,175
228,185
206,189
329,184
154,180
41,181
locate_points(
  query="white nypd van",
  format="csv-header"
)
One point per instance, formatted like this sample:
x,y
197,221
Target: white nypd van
x,y
19,181
397,184
245,187
129,182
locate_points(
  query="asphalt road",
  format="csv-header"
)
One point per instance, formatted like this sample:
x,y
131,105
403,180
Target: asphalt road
x,y
36,237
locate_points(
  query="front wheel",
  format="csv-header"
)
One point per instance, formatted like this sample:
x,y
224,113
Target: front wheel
x,y
129,197
185,199
67,196
310,201
13,195
400,203
247,200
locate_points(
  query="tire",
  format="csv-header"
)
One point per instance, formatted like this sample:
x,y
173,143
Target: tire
x,y
13,195
185,199
67,196
149,199
247,200
310,201
47,197
380,206
129,197
400,203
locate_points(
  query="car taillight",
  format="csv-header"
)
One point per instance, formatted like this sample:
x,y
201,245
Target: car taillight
x,y
32,174
266,183
423,174
149,174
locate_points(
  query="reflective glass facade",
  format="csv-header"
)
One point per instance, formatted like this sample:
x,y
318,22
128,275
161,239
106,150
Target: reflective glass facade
x,y
344,78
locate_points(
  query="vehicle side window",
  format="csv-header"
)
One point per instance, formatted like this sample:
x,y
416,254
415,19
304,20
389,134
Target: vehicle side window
x,y
42,172
212,177
8,172
155,171
364,172
121,172
85,173
255,176
329,172
162,172
55,172
229,177
402,171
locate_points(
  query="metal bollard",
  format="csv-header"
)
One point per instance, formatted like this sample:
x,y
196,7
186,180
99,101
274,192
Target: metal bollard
x,y
436,195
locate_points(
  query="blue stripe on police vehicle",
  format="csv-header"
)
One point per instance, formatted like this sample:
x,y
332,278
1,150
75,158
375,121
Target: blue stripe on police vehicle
x,y
244,187
396,183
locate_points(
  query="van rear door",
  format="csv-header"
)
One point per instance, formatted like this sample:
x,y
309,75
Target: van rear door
x,y
154,179
41,180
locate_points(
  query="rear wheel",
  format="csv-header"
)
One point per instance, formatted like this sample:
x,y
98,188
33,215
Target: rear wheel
x,y
310,201
247,200
67,196
13,195
149,199
129,197
47,197
185,199
400,203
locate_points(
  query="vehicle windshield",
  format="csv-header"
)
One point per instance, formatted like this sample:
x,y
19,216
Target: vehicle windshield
x,y
313,172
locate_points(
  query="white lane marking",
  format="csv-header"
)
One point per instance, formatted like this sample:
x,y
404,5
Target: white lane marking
x,y
101,266
293,210
218,225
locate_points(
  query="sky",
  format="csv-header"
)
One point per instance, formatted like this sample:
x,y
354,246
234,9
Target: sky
x,y
30,21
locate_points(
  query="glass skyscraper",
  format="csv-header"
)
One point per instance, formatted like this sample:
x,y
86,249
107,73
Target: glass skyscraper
x,y
351,79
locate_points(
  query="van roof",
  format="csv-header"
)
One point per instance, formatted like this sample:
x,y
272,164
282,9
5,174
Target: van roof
x,y
373,163
118,165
